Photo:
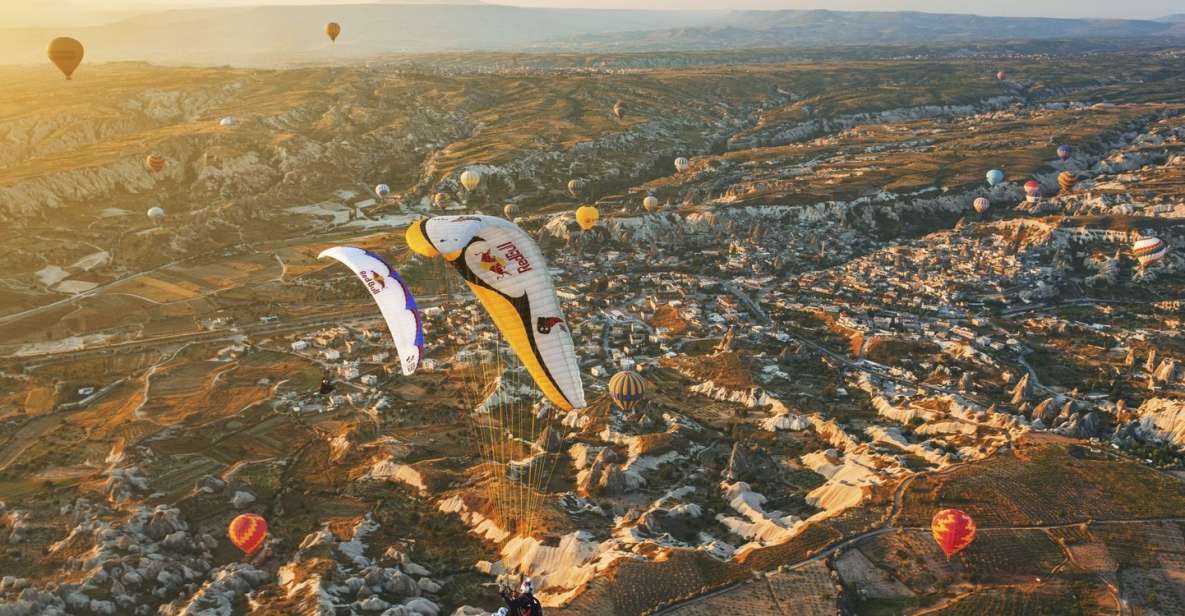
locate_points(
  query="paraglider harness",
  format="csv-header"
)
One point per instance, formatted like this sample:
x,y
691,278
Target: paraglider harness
x,y
521,604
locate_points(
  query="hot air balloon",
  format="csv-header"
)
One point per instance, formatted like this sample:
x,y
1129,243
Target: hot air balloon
x,y
1064,152
1066,181
1149,250
681,164
1032,191
333,29
1000,76
626,390
395,301
511,210
650,203
440,200
506,271
66,53
981,204
227,121
154,163
995,177
574,188
470,179
156,214
586,217
247,531
953,530
382,190
619,110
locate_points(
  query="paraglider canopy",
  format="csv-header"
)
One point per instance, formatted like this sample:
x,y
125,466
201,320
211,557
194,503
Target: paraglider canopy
x,y
586,216
332,29
394,299
66,53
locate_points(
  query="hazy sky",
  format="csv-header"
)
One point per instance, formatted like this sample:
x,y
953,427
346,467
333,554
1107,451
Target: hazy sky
x,y
53,12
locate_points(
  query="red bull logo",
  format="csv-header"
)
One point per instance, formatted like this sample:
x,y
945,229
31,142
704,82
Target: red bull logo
x,y
491,262
374,281
544,324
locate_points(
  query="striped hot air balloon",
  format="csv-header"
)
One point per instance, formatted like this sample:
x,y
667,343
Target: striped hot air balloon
x,y
1066,181
981,204
650,203
247,532
626,389
619,110
155,163
1149,250
953,530
510,211
1032,191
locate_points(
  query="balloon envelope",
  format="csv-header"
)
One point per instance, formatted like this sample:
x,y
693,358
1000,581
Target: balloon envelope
x,y
619,109
156,213
1001,75
1066,181
511,210
995,177
227,121
981,204
332,29
626,389
154,163
953,530
1064,151
394,299
1032,188
505,269
681,164
470,179
650,203
247,532
586,216
382,190
66,53
1149,250
574,188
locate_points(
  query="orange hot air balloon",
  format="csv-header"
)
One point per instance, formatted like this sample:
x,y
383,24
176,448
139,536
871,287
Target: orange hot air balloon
x,y
586,217
247,532
953,530
66,53
333,29
1066,181
154,163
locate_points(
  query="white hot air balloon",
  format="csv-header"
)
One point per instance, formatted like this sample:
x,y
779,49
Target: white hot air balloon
x,y
1149,250
470,180
682,164
156,214
650,203
382,190
394,299
227,121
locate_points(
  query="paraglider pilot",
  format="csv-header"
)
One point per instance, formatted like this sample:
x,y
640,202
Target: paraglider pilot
x,y
522,603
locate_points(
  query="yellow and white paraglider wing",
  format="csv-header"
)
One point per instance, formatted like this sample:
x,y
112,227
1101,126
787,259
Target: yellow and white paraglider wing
x,y
506,271
395,301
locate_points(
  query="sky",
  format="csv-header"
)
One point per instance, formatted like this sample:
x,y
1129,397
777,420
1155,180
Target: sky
x,y
82,12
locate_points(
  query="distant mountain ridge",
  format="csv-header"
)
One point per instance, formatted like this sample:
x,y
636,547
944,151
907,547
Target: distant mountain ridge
x,y
279,35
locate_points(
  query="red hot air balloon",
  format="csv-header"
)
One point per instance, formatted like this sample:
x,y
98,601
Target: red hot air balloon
x,y
1033,190
247,532
1000,76
953,530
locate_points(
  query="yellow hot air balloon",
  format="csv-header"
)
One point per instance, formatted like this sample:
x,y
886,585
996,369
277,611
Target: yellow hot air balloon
x,y
66,53
574,188
626,390
586,216
333,29
1066,181
440,200
155,163
619,110
470,179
